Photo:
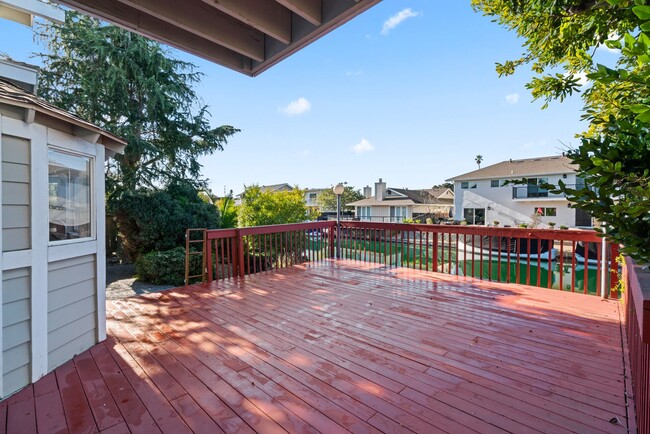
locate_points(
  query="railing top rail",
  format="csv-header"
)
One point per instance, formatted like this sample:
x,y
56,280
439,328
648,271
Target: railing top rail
x,y
641,296
270,229
548,234
216,234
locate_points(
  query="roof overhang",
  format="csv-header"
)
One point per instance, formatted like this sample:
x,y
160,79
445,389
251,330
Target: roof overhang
x,y
23,11
248,36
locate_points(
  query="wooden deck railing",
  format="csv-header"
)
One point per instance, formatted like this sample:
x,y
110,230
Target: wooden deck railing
x,y
637,324
561,259
512,255
237,252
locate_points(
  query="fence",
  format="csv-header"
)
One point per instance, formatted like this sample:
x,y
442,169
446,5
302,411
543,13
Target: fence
x,y
563,259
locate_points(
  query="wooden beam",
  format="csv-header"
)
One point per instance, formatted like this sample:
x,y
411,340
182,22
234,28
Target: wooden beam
x,y
16,16
266,16
86,134
37,8
151,27
30,114
201,19
308,9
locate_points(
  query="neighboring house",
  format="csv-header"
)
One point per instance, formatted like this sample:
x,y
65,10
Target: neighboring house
x,y
311,199
399,204
482,196
273,188
53,260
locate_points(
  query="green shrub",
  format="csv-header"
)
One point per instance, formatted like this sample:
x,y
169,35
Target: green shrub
x,y
166,267
151,221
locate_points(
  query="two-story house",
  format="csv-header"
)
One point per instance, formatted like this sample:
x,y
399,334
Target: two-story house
x,y
483,196
398,204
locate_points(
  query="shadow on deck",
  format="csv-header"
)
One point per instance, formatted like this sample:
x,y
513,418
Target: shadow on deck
x,y
331,347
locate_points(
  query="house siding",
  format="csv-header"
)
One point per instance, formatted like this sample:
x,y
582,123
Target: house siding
x,y
508,211
15,194
16,325
72,308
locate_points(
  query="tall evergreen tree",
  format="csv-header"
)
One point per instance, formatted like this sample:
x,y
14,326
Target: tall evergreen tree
x,y
133,88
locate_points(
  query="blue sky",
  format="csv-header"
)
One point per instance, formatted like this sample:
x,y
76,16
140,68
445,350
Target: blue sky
x,y
406,92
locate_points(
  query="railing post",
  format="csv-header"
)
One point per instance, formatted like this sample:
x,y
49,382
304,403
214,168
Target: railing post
x,y
331,237
435,252
613,270
207,250
240,254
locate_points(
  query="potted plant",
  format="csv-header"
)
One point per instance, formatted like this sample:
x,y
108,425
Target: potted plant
x,y
496,223
523,225
563,227
551,225
463,222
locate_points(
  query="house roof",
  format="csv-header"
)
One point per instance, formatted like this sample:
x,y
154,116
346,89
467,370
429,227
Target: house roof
x,y
521,168
248,36
15,96
272,188
404,197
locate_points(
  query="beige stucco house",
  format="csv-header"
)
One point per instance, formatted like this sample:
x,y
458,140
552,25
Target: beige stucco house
x,y
394,205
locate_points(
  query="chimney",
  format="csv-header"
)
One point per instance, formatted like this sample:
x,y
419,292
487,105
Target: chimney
x,y
367,192
380,190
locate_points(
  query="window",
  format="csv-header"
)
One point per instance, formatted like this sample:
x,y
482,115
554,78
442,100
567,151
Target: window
x,y
364,212
312,197
397,213
533,187
468,184
495,183
546,212
474,216
69,195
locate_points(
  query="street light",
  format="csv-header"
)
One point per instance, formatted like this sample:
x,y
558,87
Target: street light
x,y
338,191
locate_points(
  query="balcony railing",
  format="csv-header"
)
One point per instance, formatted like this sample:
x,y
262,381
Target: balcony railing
x,y
537,192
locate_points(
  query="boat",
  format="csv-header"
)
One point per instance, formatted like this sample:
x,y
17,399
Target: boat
x,y
592,253
523,248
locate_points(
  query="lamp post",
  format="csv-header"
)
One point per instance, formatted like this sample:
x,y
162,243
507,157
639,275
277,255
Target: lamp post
x,y
338,191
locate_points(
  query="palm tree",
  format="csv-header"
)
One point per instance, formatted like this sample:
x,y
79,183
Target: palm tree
x,y
479,160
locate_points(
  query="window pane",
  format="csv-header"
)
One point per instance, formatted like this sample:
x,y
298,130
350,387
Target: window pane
x,y
494,183
69,196
464,185
551,212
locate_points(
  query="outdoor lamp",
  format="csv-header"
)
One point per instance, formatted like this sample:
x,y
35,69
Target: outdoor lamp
x,y
338,191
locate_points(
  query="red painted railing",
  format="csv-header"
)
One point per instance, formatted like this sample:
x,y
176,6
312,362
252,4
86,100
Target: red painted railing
x,y
237,252
503,254
637,324
512,255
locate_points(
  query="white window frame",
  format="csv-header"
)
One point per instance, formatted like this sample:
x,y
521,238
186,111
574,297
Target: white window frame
x,y
93,194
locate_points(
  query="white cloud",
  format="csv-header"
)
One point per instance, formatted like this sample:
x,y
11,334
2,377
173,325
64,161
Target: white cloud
x,y
363,146
512,98
397,19
296,107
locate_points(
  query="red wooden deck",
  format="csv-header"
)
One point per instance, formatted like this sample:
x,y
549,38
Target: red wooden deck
x,y
330,348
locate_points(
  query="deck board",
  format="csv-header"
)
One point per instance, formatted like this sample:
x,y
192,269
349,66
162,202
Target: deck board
x,y
340,347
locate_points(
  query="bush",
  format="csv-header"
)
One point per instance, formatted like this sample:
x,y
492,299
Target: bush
x,y
156,220
166,267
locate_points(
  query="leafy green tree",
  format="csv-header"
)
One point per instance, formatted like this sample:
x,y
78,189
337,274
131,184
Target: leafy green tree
x,y
560,37
130,86
261,208
156,220
327,199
